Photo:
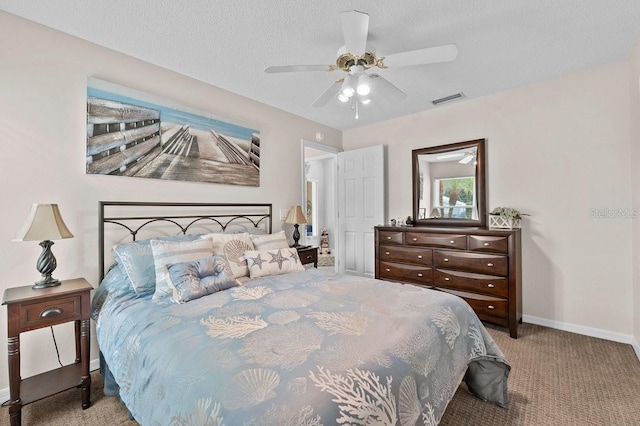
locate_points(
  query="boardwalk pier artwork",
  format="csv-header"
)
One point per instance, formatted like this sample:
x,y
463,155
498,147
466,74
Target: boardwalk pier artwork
x,y
131,137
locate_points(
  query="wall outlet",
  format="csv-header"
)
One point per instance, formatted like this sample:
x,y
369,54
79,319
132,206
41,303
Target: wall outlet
x,y
283,213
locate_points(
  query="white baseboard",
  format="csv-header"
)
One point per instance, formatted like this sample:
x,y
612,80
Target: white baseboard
x,y
586,331
94,364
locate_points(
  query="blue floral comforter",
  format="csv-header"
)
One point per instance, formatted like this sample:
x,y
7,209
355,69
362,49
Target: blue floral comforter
x,y
305,348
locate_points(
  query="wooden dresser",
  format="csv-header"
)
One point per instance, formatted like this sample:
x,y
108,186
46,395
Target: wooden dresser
x,y
480,265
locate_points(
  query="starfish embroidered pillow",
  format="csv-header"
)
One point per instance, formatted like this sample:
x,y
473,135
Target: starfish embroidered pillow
x,y
272,262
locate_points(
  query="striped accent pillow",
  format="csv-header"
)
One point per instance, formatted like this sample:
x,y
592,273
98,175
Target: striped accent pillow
x,y
165,252
270,241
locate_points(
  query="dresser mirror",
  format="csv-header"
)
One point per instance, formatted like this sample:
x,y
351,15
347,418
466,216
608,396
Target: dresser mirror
x,y
449,184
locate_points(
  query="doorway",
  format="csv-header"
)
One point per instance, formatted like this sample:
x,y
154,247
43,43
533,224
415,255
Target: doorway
x,y
320,199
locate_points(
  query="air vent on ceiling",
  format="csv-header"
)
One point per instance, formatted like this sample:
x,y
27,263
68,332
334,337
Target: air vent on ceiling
x,y
449,98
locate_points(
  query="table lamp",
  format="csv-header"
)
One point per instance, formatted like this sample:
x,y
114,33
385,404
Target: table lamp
x,y
44,224
296,217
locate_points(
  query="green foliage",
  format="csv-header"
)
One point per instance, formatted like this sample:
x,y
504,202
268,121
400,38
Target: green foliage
x,y
508,212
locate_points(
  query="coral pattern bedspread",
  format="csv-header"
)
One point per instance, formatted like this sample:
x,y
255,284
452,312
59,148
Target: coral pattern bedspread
x,y
305,348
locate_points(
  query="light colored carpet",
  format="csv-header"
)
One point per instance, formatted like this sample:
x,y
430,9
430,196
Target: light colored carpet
x,y
557,378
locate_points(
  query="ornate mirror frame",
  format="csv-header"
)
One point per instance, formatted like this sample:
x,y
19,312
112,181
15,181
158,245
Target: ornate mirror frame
x,y
423,215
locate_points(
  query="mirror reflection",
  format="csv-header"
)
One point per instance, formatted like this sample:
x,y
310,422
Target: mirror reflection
x,y
449,184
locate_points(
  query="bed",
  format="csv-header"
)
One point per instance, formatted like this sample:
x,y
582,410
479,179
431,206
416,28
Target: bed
x,y
297,346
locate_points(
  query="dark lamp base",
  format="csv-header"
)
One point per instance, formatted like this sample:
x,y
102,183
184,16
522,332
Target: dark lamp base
x,y
46,282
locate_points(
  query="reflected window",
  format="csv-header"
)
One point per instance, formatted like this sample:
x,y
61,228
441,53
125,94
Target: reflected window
x,y
454,197
312,207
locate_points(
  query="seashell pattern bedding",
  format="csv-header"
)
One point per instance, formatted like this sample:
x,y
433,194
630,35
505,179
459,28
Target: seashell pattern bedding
x,y
304,348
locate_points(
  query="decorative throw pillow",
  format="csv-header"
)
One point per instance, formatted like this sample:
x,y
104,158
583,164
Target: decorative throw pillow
x,y
233,246
273,262
270,241
136,261
191,280
165,252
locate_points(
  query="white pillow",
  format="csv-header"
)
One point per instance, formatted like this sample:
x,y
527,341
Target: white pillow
x,y
233,246
273,262
165,252
270,241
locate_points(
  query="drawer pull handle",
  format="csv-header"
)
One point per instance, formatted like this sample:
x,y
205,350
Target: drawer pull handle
x,y
491,285
489,264
415,239
50,312
419,256
419,274
388,238
451,242
446,259
309,257
491,307
387,253
446,278
388,270
486,244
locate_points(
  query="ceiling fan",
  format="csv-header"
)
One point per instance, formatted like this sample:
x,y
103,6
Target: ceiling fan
x,y
356,57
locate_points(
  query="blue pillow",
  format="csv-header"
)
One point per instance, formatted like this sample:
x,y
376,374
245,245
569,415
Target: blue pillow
x,y
198,278
136,261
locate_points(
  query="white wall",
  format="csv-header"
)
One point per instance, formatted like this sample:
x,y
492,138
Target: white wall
x,y
555,150
634,92
42,145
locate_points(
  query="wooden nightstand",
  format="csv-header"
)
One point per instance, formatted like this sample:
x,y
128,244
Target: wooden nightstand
x,y
308,254
29,309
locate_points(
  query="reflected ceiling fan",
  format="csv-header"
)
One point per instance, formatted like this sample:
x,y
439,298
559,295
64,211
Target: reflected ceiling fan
x,y
356,57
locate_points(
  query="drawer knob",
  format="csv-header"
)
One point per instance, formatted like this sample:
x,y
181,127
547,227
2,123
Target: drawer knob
x,y
491,307
491,285
419,274
388,238
486,244
415,239
446,259
50,312
387,253
309,257
489,264
388,270
446,278
451,242
419,256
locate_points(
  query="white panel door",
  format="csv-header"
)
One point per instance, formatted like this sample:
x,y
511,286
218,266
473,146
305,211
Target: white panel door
x,y
361,199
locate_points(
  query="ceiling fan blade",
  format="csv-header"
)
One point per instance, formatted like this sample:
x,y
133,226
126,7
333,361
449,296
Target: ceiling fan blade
x,y
355,27
430,55
328,94
387,90
297,68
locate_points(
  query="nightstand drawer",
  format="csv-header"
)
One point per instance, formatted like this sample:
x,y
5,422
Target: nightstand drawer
x,y
308,255
44,314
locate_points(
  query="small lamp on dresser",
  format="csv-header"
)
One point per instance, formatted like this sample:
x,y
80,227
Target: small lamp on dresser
x,y
296,217
44,224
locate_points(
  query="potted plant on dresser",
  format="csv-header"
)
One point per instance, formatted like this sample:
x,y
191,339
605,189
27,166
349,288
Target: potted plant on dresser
x,y
505,218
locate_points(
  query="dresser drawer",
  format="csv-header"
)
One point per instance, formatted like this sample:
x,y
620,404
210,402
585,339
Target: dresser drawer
x,y
491,264
46,313
489,243
494,308
476,283
402,254
389,237
400,272
436,240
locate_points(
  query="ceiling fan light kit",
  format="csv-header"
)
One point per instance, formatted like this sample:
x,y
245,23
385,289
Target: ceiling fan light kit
x,y
356,56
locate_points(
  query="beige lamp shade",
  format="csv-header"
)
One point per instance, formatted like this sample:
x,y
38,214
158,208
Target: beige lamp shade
x,y
44,223
296,216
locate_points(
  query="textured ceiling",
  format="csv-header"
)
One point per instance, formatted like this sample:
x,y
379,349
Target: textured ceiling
x,y
228,43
